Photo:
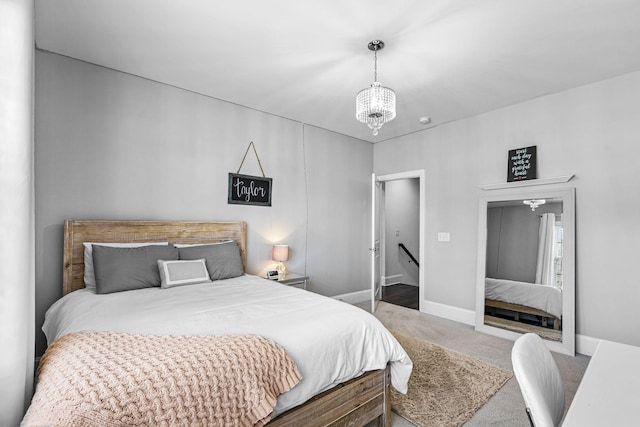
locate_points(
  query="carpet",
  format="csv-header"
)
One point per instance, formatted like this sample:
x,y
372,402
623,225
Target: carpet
x,y
446,387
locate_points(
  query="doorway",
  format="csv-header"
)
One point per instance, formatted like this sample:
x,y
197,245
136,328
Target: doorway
x,y
400,230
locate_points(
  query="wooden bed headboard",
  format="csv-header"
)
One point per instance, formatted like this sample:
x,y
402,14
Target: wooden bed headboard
x,y
76,232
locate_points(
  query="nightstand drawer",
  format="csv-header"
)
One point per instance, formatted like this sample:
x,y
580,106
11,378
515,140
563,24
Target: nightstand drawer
x,y
295,280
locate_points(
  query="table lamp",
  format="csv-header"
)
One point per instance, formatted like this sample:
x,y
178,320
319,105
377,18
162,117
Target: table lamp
x,y
280,253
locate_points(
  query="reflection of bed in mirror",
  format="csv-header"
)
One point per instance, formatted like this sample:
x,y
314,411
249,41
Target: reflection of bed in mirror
x,y
537,307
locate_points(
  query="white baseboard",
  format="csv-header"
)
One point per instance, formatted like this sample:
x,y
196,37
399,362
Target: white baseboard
x,y
468,317
441,310
354,297
392,280
586,345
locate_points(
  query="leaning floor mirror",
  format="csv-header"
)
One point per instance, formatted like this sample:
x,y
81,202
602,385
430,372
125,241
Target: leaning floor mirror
x,y
526,265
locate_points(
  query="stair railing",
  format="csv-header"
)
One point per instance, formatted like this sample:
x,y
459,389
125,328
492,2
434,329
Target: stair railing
x,y
411,257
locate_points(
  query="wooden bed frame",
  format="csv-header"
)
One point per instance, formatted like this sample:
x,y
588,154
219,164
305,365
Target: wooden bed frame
x,y
354,403
523,309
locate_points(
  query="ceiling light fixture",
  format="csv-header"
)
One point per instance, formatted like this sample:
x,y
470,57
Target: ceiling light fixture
x,y
534,203
376,105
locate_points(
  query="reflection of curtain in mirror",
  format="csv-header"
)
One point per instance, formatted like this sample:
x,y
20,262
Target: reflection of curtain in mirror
x,y
544,267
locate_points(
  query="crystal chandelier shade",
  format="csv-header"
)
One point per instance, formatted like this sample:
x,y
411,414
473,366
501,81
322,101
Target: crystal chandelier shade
x,y
376,105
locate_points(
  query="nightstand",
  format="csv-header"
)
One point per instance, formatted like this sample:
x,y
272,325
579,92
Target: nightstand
x,y
296,280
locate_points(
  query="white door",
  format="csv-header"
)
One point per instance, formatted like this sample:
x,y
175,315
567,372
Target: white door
x,y
376,282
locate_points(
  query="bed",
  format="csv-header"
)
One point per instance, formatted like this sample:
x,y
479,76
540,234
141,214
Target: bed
x,y
347,360
542,301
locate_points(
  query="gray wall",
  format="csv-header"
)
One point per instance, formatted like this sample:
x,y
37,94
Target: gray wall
x,y
339,214
114,146
592,132
402,216
110,145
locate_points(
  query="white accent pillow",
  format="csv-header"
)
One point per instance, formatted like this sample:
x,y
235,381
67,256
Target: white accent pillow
x,y
89,273
182,272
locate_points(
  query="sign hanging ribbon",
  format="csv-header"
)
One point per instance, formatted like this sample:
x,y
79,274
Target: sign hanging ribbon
x,y
251,144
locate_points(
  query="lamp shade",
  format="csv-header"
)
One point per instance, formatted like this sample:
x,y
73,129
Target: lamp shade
x,y
280,253
375,106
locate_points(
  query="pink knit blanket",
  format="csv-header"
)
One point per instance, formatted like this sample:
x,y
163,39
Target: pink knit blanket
x,y
117,379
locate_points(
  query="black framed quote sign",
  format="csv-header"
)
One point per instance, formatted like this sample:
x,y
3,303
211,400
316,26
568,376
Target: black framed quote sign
x,y
521,164
249,190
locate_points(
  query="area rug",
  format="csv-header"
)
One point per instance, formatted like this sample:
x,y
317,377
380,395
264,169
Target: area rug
x,y
446,387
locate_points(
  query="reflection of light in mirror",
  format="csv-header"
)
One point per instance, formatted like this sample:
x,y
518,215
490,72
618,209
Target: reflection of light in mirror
x,y
534,203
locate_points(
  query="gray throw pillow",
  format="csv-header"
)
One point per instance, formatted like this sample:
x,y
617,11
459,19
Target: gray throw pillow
x,y
223,259
124,269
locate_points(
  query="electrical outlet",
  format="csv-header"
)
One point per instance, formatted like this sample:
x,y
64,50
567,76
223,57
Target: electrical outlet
x,y
397,233
444,236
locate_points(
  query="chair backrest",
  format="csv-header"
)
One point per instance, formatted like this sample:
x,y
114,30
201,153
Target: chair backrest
x,y
539,379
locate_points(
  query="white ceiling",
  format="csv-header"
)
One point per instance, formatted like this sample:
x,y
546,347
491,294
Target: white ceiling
x,y
306,60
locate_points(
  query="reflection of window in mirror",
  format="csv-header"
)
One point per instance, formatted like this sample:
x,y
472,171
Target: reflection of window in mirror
x,y
557,252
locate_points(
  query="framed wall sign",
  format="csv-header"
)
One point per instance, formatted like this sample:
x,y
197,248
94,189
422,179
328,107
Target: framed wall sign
x,y
521,164
249,190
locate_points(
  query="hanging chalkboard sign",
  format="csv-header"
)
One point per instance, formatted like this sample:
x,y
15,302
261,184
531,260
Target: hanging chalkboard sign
x,y
249,190
521,164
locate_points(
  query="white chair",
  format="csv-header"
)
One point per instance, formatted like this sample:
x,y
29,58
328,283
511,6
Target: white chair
x,y
540,381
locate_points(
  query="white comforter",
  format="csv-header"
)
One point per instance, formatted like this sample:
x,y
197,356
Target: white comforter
x,y
331,341
543,297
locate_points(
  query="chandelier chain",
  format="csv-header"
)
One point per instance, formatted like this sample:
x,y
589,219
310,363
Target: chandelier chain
x,y
375,65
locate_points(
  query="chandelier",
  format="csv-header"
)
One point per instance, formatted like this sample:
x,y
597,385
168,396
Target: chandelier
x,y
534,203
376,105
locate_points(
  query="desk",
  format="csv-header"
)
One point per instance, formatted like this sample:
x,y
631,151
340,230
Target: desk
x,y
609,392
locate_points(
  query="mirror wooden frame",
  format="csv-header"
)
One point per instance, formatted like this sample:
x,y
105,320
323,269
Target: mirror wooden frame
x,y
567,196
